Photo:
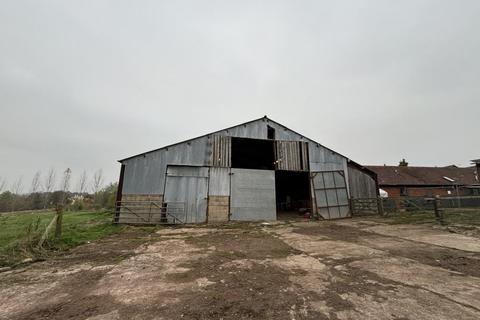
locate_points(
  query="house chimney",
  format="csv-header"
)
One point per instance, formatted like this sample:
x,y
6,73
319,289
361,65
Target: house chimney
x,y
477,169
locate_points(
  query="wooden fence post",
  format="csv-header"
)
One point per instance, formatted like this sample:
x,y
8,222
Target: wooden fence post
x,y
47,231
438,211
381,211
58,225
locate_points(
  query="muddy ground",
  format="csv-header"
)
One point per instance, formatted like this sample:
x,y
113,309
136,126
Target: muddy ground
x,y
348,269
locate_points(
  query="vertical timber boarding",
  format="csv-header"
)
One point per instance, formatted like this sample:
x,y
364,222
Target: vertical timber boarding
x,y
222,151
218,206
291,155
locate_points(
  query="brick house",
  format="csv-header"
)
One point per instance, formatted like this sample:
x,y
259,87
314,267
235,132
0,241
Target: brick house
x,y
399,181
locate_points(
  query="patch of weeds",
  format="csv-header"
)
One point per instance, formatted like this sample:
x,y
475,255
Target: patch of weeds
x,y
20,237
120,259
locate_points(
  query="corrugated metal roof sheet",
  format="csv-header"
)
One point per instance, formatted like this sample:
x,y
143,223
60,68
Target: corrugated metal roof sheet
x,y
395,175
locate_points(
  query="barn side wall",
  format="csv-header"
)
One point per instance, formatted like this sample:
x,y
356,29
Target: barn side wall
x,y
146,174
362,185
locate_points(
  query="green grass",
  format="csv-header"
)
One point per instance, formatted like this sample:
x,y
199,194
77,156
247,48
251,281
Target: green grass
x,y
20,232
451,216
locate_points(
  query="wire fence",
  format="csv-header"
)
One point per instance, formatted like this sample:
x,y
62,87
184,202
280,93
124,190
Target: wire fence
x,y
386,206
425,203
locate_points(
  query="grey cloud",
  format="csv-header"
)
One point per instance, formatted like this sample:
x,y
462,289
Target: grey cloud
x,y
84,83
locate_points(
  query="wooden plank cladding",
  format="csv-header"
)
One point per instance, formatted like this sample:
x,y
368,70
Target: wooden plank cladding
x,y
291,155
218,208
221,153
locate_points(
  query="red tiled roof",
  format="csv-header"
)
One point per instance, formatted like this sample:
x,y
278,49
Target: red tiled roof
x,y
394,175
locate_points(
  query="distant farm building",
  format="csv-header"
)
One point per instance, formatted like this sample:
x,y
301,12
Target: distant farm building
x,y
258,170
401,181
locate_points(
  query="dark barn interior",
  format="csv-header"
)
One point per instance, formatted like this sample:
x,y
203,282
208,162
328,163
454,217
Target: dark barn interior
x,y
252,154
292,189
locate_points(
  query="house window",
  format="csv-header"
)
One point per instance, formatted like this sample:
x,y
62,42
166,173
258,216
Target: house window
x,y
403,191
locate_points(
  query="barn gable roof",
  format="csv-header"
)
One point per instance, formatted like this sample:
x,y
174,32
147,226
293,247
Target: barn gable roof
x,y
226,129
198,137
264,118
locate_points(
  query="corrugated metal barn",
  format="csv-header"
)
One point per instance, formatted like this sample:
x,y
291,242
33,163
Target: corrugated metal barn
x,y
258,170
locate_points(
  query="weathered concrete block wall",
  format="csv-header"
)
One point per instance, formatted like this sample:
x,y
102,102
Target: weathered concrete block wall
x,y
218,208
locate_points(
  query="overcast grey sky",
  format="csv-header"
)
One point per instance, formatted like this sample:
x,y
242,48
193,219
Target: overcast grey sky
x,y
85,83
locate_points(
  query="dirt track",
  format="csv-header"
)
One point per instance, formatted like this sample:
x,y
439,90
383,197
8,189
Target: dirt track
x,y
349,269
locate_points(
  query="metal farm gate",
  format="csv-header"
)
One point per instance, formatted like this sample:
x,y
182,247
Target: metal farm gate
x,y
331,197
189,185
253,195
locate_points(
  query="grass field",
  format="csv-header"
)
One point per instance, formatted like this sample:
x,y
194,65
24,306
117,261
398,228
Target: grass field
x,y
19,233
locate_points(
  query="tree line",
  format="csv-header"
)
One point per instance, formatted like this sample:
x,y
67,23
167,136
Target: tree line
x,y
52,189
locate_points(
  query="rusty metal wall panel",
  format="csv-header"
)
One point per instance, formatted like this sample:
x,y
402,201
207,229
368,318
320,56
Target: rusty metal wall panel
x,y
291,155
361,184
221,151
188,185
146,174
254,130
322,159
219,182
187,171
282,133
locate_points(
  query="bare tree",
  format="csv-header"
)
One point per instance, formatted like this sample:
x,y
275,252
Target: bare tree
x,y
97,181
35,182
67,174
3,184
48,185
82,182
49,181
17,186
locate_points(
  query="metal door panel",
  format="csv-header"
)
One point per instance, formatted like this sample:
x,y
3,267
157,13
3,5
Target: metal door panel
x,y
331,197
253,195
188,185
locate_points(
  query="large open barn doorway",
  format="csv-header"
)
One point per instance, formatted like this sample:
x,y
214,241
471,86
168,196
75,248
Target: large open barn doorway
x,y
252,154
292,194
